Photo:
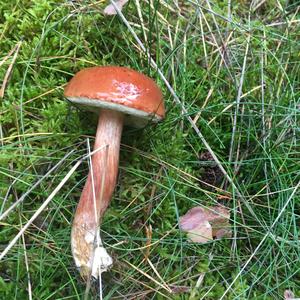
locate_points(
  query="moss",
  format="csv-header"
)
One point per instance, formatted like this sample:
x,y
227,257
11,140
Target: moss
x,y
160,171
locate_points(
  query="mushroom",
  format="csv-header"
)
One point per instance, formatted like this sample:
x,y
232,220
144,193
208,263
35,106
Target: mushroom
x,y
120,96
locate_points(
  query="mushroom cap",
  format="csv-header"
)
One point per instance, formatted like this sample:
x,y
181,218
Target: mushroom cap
x,y
120,89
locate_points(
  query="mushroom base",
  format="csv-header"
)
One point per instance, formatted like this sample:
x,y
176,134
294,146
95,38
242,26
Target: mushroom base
x,y
90,263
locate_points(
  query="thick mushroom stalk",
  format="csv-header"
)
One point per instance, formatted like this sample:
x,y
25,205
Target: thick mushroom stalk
x,y
117,92
89,255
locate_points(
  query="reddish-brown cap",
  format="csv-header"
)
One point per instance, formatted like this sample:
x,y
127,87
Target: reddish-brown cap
x,y
117,88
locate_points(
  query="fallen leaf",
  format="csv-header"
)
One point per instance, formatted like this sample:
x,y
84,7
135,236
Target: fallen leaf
x,y
110,9
201,234
204,224
289,295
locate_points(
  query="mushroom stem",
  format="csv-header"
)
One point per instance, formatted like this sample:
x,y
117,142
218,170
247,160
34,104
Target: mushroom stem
x,y
97,191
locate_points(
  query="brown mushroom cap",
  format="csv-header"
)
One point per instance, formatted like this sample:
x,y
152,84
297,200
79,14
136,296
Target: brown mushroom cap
x,y
120,89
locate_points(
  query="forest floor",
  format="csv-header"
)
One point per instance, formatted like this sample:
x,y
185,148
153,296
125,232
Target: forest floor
x,y
229,72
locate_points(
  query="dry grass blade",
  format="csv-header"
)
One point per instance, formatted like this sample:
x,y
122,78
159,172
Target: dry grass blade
x,y
138,6
177,100
27,266
149,277
195,50
21,199
8,55
283,23
98,241
229,106
44,205
262,241
9,70
148,230
158,275
240,91
37,213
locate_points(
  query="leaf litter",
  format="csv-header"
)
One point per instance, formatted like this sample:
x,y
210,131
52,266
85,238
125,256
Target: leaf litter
x,y
110,9
204,224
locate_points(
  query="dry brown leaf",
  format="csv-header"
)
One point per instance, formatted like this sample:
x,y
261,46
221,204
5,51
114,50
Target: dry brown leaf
x,y
201,233
289,295
204,224
110,9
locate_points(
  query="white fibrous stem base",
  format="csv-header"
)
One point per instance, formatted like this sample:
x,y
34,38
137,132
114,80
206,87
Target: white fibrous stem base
x,y
98,261
101,262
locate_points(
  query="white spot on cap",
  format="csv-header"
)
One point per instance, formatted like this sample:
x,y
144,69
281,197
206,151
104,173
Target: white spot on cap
x,y
126,90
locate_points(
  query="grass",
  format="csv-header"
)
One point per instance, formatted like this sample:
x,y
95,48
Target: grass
x,y
229,72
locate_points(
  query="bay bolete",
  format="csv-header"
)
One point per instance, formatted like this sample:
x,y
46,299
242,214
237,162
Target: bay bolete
x,y
120,96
